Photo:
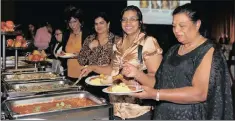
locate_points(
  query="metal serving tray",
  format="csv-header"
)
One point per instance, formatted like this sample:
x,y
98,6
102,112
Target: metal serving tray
x,y
98,111
10,77
12,89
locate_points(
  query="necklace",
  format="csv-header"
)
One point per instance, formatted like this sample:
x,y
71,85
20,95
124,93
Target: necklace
x,y
102,40
190,48
77,33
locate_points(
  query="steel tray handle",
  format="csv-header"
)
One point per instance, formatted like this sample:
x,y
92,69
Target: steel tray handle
x,y
103,100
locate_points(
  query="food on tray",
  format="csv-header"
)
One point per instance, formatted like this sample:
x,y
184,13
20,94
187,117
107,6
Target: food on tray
x,y
7,26
41,88
10,43
37,56
19,41
53,105
122,87
32,76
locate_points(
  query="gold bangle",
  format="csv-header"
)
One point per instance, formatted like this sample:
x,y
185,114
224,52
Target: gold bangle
x,y
158,95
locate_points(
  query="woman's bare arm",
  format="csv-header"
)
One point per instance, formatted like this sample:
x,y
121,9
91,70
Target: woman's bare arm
x,y
152,65
191,94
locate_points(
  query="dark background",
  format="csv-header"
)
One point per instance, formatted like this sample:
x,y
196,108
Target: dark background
x,y
25,12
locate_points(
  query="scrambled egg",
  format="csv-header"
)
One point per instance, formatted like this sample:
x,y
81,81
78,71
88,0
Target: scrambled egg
x,y
96,81
122,87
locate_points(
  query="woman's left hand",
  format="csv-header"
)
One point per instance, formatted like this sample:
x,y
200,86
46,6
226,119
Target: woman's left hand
x,y
147,93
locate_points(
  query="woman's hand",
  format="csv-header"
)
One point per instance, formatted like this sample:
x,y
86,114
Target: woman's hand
x,y
129,70
86,70
93,44
147,93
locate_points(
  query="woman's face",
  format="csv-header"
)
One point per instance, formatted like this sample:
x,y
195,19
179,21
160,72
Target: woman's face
x,y
130,22
74,24
184,29
101,26
58,35
31,27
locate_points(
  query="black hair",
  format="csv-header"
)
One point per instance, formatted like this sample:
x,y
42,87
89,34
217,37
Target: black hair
x,y
192,13
102,15
73,12
139,15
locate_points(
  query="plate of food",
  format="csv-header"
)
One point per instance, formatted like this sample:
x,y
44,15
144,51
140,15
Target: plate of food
x,y
122,89
98,80
67,55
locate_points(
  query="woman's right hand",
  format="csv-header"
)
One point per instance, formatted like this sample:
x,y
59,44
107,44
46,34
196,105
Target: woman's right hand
x,y
129,70
86,70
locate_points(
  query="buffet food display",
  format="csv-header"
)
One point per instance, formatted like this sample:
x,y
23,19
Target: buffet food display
x,y
36,56
70,105
7,26
29,76
30,93
17,42
53,105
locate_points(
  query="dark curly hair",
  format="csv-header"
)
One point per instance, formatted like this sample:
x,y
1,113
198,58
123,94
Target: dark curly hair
x,y
73,12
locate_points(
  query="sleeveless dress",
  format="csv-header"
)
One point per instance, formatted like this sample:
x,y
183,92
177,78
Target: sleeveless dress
x,y
177,71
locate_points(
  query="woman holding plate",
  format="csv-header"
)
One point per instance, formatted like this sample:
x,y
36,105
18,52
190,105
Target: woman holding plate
x,y
98,49
126,50
72,40
192,82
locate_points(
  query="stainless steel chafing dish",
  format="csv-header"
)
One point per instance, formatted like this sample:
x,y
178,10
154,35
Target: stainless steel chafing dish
x,y
21,69
100,110
10,61
14,90
30,76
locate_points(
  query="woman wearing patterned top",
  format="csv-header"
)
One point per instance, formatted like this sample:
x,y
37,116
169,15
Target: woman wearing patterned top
x,y
97,50
126,50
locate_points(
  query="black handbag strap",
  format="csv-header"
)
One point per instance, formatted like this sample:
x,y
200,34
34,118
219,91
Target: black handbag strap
x,y
140,48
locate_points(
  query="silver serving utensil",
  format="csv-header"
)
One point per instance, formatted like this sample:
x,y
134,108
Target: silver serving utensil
x,y
78,80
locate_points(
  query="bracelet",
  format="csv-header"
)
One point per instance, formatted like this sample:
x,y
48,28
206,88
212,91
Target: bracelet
x,y
158,95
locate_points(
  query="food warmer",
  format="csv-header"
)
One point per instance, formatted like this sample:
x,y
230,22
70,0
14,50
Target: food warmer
x,y
80,105
30,76
15,90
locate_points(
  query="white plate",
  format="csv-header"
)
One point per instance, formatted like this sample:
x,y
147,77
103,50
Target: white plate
x,y
122,93
88,81
67,55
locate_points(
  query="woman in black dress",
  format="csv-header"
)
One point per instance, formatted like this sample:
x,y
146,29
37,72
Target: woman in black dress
x,y
193,80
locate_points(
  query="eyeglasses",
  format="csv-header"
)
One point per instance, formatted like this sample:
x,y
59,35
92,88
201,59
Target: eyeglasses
x,y
130,20
57,34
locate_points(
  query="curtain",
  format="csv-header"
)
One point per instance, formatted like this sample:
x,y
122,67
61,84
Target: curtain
x,y
223,21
